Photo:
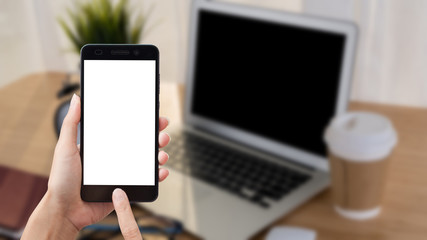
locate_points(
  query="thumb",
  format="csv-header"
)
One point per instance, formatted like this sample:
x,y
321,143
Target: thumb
x,y
68,135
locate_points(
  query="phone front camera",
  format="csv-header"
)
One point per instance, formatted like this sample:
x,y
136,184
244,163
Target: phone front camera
x,y
136,52
98,51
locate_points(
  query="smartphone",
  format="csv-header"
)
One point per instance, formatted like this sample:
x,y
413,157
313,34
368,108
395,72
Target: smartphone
x,y
119,121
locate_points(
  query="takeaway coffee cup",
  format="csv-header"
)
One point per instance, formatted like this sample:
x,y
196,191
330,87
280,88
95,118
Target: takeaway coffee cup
x,y
359,148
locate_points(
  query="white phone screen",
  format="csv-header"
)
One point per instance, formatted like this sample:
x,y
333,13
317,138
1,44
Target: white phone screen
x,y
119,122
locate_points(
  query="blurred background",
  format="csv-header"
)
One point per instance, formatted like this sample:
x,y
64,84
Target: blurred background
x,y
391,55
39,60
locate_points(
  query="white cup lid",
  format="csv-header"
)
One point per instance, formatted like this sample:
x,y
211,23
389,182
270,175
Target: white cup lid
x,y
360,136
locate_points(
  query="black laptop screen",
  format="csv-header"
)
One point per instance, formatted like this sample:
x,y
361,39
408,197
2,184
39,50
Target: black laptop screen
x,y
273,80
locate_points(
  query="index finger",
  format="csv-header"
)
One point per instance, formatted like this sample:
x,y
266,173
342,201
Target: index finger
x,y
128,226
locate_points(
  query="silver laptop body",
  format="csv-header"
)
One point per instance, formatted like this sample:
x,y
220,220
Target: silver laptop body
x,y
205,208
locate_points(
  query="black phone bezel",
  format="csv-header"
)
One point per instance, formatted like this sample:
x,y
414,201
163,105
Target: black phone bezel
x,y
135,193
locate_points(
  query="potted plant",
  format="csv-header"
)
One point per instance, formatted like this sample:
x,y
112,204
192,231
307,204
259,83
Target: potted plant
x,y
101,21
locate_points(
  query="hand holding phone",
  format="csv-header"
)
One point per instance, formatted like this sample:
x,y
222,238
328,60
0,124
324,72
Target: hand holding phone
x,y
62,201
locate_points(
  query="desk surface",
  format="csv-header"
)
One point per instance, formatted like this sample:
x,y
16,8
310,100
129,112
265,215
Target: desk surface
x,y
27,141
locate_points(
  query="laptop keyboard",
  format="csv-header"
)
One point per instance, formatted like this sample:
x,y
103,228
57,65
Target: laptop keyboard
x,y
247,176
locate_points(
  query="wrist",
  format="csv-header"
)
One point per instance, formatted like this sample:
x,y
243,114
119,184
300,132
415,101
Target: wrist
x,y
49,221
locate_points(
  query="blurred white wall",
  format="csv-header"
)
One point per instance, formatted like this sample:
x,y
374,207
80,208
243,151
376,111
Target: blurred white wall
x,y
20,53
391,64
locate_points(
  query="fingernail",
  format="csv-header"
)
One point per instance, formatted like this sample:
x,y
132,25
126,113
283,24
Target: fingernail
x,y
73,100
118,194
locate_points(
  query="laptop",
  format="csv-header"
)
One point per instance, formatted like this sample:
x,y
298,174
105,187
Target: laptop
x,y
262,86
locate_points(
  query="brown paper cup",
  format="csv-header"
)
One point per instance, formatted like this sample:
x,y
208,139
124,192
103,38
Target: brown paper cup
x,y
359,145
357,187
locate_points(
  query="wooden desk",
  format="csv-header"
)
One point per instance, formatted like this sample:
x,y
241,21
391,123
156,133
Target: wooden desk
x,y
27,141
